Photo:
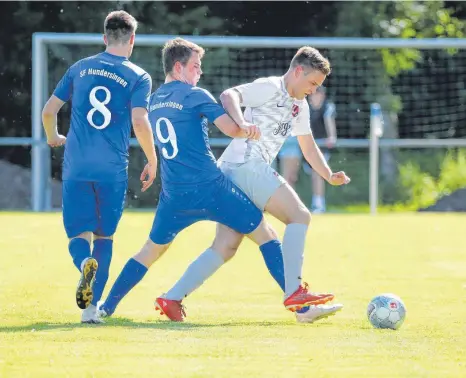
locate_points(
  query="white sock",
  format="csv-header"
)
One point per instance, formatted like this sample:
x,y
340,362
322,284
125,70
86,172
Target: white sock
x,y
293,255
199,270
318,202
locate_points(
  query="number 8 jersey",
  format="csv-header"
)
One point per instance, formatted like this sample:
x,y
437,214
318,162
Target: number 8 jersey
x,y
103,89
179,115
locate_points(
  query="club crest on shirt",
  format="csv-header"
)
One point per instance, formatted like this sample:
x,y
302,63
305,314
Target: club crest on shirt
x,y
295,110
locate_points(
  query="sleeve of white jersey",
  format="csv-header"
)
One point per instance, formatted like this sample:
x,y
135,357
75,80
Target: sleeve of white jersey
x,y
256,93
302,123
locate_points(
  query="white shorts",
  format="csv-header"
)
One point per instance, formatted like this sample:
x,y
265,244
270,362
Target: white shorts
x,y
257,179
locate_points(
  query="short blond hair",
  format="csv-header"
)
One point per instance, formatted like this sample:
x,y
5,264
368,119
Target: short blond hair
x,y
178,50
310,57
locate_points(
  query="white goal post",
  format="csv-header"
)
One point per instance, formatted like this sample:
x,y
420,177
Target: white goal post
x,y
41,161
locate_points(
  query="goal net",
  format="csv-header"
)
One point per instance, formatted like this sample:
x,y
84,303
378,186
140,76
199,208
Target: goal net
x,y
422,94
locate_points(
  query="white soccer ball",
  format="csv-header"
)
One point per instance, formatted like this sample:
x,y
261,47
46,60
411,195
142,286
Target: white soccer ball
x,y
386,311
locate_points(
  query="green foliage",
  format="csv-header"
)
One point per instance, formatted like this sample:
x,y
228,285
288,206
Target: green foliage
x,y
402,19
424,189
413,19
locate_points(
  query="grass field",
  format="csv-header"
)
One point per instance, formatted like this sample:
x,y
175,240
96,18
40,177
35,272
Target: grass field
x,y
236,325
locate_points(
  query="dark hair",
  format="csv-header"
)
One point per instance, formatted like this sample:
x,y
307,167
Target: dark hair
x,y
310,57
178,50
119,26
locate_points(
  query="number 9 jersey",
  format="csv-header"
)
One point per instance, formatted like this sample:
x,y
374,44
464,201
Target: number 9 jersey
x,y
179,115
103,88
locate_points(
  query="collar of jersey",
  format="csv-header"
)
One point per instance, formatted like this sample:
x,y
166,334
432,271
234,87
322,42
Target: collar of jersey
x,y
283,88
114,56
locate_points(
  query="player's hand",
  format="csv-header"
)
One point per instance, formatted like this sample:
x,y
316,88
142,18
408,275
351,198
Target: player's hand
x,y
339,178
252,131
330,142
56,141
148,176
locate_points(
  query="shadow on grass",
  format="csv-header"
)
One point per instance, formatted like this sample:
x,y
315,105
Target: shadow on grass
x,y
130,324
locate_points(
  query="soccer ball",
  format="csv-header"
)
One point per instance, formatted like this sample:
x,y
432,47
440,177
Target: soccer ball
x,y
386,311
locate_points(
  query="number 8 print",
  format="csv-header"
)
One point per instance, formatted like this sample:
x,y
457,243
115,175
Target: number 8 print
x,y
99,106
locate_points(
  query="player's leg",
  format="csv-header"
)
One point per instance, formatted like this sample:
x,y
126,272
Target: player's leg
x,y
269,191
111,198
290,161
226,204
132,273
79,220
266,237
286,206
162,234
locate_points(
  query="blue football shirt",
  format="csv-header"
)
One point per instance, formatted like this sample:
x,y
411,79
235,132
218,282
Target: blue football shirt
x,y
179,115
103,89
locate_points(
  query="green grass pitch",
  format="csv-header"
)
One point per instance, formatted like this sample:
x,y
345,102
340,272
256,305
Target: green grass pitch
x,y
236,324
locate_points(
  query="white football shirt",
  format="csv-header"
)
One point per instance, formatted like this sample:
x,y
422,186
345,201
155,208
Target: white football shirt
x,y
275,112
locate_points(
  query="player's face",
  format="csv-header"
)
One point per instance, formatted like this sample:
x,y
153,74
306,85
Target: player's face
x,y
307,82
192,72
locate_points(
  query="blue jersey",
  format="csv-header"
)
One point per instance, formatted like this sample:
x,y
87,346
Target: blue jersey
x,y
179,115
104,88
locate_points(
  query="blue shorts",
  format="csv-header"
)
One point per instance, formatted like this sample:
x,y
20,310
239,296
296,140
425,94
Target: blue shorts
x,y
219,201
290,149
92,206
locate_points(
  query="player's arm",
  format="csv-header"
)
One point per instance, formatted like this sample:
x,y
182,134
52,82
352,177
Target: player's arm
x,y
311,151
61,94
314,156
142,129
231,100
316,160
208,107
230,128
252,94
49,121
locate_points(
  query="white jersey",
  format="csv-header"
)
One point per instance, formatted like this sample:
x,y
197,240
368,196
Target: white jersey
x,y
275,112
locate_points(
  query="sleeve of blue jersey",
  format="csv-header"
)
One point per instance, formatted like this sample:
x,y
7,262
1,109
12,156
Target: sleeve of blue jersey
x,y
64,87
207,105
141,92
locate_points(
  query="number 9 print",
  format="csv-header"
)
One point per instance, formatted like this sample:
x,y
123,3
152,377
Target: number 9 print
x,y
170,138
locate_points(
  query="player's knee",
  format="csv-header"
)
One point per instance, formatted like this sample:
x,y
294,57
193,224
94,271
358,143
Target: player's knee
x,y
226,250
150,253
227,253
263,233
301,215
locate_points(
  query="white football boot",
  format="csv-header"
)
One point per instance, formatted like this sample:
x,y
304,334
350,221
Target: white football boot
x,y
318,312
91,316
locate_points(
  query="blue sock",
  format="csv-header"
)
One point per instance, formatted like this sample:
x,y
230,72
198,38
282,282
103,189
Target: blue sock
x,y
273,257
132,273
102,252
80,249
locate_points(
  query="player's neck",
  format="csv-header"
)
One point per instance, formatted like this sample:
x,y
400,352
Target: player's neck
x,y
287,81
117,50
170,78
